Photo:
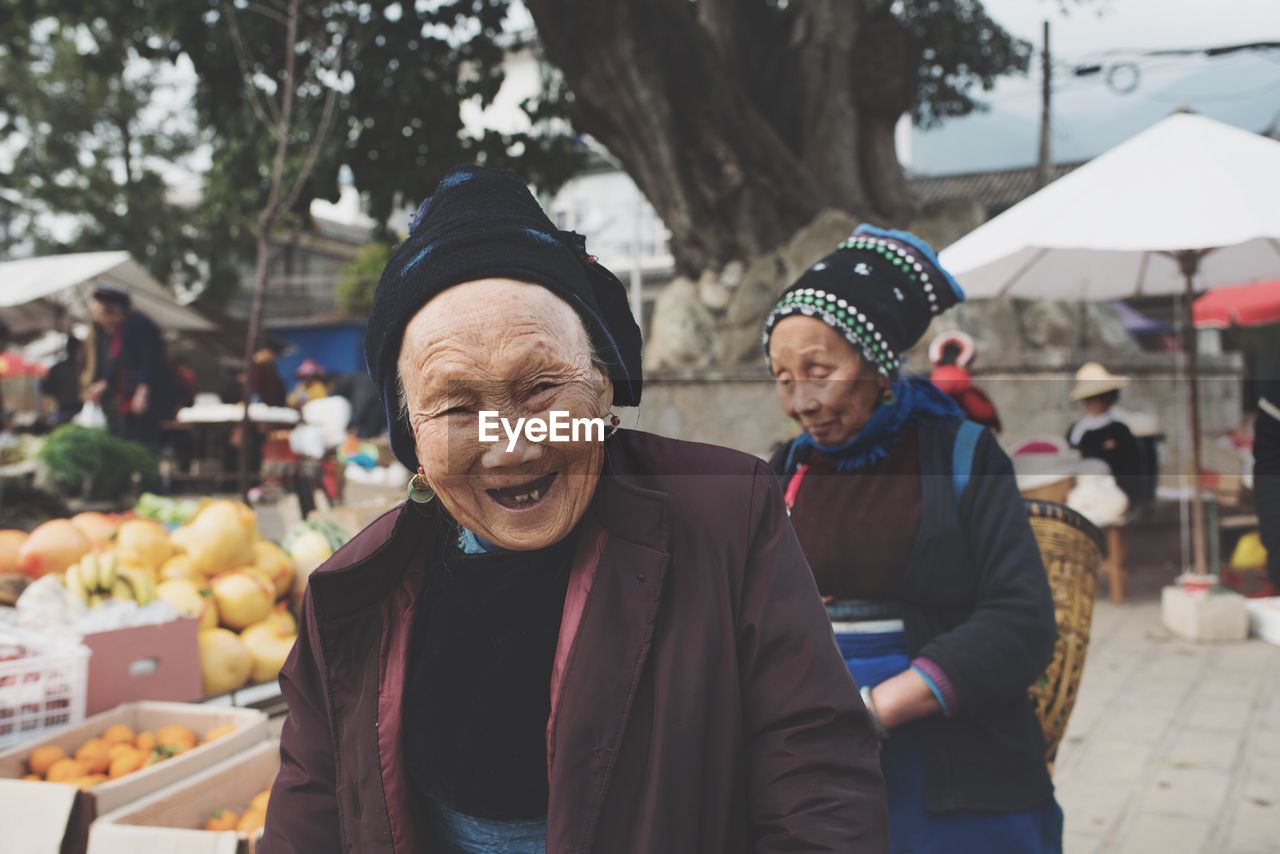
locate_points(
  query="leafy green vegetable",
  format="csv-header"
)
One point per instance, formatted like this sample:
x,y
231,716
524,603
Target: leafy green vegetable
x,y
78,457
166,511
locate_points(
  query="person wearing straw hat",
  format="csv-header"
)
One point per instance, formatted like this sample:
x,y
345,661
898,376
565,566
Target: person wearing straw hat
x,y
1101,433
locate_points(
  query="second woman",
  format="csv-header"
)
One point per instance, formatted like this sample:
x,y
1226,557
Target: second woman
x,y
912,523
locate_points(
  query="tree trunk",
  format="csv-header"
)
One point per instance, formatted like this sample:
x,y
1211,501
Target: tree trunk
x,y
650,85
881,171
261,274
824,45
885,76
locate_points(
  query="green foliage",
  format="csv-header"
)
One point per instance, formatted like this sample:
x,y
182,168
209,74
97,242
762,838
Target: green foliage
x,y
84,119
360,278
960,49
72,72
75,455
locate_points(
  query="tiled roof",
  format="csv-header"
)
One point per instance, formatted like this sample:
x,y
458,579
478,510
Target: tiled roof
x,y
996,190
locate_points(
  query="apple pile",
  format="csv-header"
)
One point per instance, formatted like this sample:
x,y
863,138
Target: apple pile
x,y
216,568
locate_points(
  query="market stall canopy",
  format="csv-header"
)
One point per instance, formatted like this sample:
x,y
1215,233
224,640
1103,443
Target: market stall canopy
x,y
1107,230
1248,305
34,290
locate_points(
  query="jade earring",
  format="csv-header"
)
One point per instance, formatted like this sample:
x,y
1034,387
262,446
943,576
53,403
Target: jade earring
x,y
420,492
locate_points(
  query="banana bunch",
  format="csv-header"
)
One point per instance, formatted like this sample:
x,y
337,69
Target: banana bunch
x,y
101,576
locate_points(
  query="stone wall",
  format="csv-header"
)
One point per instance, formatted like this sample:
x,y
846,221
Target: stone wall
x,y
737,407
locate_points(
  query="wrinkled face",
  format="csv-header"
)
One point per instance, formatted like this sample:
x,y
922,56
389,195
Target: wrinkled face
x,y
821,381
498,344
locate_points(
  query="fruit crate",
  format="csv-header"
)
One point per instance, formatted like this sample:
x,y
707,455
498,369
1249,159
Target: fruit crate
x,y
43,685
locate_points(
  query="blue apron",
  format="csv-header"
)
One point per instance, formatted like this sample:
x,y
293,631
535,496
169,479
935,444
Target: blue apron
x,y
874,652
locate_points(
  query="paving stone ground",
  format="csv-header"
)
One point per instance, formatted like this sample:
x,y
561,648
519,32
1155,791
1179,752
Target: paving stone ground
x,y
1173,746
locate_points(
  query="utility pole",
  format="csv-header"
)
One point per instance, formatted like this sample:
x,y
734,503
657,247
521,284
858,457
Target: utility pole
x,y
1045,173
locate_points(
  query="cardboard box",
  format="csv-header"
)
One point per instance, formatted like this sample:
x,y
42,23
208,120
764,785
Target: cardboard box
x,y
170,820
160,662
48,818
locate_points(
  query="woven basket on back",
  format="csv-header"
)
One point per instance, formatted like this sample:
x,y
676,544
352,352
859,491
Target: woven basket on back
x,y
1072,549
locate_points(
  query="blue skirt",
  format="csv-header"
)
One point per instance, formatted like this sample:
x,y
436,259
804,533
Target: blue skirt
x,y
873,657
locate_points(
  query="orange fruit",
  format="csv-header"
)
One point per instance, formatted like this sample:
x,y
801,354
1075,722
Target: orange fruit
x,y
118,734
251,822
95,754
260,800
66,770
177,736
116,749
222,820
127,762
88,781
160,754
33,778
219,731
43,757
146,742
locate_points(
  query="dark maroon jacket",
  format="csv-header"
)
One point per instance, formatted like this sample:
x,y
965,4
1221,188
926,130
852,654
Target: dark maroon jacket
x,y
699,703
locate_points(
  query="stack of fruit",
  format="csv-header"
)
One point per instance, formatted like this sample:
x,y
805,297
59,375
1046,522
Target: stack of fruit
x,y
99,576
117,752
246,824
215,567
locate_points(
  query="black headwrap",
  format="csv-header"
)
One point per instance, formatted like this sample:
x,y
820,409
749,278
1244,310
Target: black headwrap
x,y
481,224
880,289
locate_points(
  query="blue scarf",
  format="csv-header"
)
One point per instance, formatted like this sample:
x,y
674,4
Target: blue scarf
x,y
914,399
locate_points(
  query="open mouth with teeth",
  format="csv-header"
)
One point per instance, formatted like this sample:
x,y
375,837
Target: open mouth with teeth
x,y
525,495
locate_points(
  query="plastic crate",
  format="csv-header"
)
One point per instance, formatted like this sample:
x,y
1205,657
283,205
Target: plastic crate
x,y
42,690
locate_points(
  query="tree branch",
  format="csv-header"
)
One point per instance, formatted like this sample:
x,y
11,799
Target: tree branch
x,y
271,210
263,107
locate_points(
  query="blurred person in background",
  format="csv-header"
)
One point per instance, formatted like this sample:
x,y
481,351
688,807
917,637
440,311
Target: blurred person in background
x,y
911,520
368,418
312,383
265,383
138,373
1266,471
62,383
951,353
185,382
1101,433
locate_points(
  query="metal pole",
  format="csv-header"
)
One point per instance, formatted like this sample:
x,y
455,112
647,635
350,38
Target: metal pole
x,y
1045,172
637,277
1189,261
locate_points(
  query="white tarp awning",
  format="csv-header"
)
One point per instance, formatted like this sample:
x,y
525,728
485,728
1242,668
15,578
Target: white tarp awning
x,y
33,290
1100,232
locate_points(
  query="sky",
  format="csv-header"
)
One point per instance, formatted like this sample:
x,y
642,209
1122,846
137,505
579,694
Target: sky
x,y
1088,117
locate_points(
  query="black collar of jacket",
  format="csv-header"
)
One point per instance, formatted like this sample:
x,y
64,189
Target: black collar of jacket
x,y
366,569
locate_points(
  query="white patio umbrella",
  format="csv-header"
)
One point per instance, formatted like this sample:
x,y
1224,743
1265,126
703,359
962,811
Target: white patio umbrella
x,y
1188,203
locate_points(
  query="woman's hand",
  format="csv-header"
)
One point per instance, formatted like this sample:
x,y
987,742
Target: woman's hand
x,y
138,406
902,699
93,393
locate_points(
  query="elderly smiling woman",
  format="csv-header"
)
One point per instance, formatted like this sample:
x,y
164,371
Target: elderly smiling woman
x,y
611,646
